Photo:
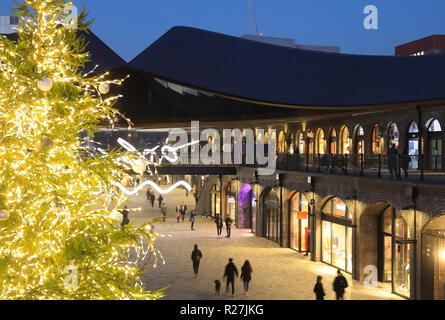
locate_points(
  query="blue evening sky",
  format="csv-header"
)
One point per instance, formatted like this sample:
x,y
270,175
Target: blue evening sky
x,y
129,26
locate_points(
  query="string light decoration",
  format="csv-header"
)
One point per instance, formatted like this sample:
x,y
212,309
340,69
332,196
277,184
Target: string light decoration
x,y
57,203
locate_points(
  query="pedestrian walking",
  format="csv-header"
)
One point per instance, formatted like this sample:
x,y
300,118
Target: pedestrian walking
x,y
219,224
406,160
183,210
125,219
164,211
152,199
148,195
340,284
229,222
178,212
230,273
192,218
318,289
160,199
196,258
246,275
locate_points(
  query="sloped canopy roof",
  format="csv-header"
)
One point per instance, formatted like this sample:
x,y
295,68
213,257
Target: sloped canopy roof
x,y
276,75
101,54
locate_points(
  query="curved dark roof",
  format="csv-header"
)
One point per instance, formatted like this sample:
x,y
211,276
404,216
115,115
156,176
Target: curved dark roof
x,y
101,54
267,73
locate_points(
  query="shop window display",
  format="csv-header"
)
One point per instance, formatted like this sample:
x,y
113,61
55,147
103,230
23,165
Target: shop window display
x,y
337,234
299,215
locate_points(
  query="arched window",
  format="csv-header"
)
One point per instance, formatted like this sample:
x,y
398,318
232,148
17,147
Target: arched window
x,y
310,142
291,143
413,145
359,139
377,140
393,135
333,142
337,234
281,142
320,142
345,141
435,144
433,125
300,148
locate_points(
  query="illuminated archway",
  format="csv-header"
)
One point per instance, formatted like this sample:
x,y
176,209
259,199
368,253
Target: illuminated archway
x,y
246,207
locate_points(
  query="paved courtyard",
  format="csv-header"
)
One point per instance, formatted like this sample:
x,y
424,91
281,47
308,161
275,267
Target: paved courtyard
x,y
278,273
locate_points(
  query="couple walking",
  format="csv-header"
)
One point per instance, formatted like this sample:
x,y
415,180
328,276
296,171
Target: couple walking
x,y
219,225
231,271
181,210
340,284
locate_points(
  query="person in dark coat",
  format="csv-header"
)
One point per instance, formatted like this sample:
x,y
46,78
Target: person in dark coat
x,y
406,159
196,258
318,289
230,273
229,222
392,161
340,284
219,224
125,219
164,211
160,199
148,195
192,219
183,210
246,275
152,199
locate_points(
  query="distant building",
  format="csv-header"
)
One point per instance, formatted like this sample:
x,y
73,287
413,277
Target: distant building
x,y
431,45
287,42
8,24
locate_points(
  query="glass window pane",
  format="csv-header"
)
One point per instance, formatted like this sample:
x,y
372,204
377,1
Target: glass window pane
x,y
339,246
402,268
349,249
326,226
338,208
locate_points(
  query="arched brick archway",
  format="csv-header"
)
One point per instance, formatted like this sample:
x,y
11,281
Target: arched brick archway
x,y
368,237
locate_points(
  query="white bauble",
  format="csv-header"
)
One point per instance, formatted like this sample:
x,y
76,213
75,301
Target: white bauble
x,y
104,88
45,84
4,215
139,166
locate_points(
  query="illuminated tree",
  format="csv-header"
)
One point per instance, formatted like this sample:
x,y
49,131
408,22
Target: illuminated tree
x,y
59,236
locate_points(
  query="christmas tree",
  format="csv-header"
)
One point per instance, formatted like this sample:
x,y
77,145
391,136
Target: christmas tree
x,y
59,236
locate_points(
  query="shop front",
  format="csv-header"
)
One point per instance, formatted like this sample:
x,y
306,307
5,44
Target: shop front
x,y
271,216
215,200
299,223
230,202
337,234
395,251
433,260
246,207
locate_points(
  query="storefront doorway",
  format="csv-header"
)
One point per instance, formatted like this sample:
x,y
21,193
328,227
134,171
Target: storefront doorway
x,y
299,223
215,200
230,202
385,242
271,216
337,234
433,260
435,144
